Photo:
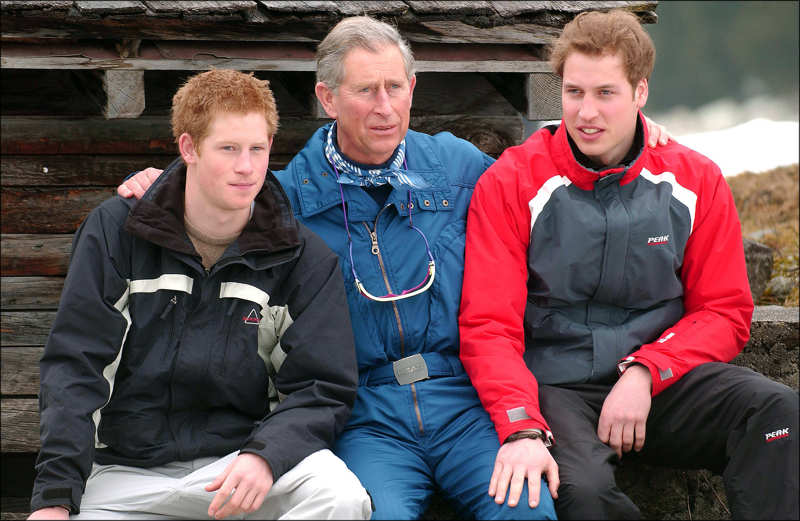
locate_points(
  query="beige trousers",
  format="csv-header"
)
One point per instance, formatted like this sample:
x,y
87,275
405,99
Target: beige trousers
x,y
319,487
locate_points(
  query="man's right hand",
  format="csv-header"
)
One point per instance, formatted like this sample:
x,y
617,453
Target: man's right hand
x,y
50,513
518,460
137,185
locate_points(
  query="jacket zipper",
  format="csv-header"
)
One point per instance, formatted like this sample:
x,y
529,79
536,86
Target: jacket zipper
x,y
373,235
164,315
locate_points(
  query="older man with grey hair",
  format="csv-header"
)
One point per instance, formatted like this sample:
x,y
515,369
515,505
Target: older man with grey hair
x,y
392,203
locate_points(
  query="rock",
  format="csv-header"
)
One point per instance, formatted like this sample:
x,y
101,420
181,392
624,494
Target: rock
x,y
780,287
774,344
759,258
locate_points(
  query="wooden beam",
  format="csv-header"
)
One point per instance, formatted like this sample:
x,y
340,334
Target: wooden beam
x,y
147,135
30,293
115,7
33,255
9,6
373,8
543,92
451,7
74,170
455,31
431,56
25,328
20,419
196,7
32,210
19,370
124,92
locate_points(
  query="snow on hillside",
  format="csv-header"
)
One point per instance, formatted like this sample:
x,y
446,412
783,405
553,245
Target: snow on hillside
x,y
756,146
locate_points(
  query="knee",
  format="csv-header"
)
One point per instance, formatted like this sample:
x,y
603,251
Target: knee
x,y
344,501
777,402
545,509
593,495
337,495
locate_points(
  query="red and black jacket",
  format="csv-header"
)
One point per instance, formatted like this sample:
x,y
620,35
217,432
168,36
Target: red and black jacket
x,y
571,272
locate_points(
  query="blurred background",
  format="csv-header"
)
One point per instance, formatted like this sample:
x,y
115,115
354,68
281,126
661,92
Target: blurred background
x,y
726,80
726,84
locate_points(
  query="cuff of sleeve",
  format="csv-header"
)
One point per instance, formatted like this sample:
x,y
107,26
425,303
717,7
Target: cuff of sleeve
x,y
66,497
507,430
661,379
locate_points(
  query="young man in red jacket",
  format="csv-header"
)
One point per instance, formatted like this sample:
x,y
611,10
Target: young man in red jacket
x,y
623,294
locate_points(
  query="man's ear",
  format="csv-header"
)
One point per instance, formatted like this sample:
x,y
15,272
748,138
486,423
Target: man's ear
x,y
412,84
640,95
325,97
187,148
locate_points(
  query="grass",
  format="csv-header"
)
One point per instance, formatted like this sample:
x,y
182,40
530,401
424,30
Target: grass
x,y
768,210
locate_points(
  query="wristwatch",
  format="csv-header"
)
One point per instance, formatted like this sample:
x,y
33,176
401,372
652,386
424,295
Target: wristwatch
x,y
532,434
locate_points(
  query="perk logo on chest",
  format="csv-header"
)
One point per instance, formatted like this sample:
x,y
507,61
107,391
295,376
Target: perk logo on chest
x,y
654,241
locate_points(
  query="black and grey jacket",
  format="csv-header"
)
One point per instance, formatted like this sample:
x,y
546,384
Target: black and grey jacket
x,y
153,359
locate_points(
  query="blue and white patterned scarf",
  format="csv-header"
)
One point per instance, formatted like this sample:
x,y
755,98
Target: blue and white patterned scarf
x,y
351,174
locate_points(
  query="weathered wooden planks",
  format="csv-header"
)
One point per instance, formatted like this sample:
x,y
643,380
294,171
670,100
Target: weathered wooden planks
x,y
31,210
30,293
475,51
451,7
19,370
197,7
145,135
74,170
246,20
34,255
124,93
152,135
95,7
25,328
20,419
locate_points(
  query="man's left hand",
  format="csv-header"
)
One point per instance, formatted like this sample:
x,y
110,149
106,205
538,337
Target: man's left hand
x,y
247,480
658,134
624,415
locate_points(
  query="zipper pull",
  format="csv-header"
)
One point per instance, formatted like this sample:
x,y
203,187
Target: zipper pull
x,y
169,306
374,237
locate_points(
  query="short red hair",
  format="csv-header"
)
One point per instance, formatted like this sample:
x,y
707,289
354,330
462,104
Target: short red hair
x,y
220,90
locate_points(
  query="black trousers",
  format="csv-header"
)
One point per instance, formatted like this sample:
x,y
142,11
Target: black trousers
x,y
719,417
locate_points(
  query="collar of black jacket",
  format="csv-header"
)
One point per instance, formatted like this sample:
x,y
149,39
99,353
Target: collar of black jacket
x,y
158,216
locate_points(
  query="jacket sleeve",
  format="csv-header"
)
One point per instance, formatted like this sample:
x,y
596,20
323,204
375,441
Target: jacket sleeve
x,y
318,377
84,343
493,300
718,305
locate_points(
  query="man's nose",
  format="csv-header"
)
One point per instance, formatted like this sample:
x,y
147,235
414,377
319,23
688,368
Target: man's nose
x,y
588,108
382,101
244,164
